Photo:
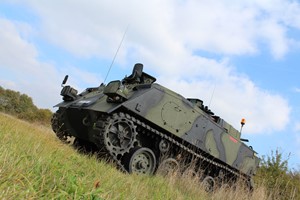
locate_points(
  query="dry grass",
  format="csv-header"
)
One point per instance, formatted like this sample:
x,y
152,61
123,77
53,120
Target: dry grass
x,y
36,165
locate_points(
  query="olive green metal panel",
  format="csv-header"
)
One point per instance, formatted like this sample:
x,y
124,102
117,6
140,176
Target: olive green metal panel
x,y
102,105
166,110
230,130
150,102
175,114
231,147
211,144
179,116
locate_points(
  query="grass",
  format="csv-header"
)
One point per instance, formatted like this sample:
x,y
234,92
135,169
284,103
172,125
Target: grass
x,y
34,164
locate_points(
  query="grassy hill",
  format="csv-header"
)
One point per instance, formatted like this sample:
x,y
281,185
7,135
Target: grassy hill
x,y
34,164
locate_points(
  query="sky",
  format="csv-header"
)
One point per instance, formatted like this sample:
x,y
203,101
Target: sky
x,y
240,57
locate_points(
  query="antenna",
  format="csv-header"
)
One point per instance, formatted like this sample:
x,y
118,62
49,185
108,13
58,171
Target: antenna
x,y
116,53
212,95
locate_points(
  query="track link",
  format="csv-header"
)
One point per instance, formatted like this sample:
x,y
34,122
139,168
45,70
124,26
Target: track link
x,y
142,128
150,130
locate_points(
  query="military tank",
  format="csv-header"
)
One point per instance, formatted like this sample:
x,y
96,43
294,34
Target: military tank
x,y
141,125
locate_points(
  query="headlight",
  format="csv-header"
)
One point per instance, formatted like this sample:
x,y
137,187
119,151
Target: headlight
x,y
68,93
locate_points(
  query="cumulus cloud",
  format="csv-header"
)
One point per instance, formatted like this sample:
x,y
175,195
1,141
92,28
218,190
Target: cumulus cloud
x,y
167,37
14,49
220,27
22,70
233,96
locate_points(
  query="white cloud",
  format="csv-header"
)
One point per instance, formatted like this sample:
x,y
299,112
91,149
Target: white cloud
x,y
216,26
19,58
275,33
297,90
166,37
25,73
14,51
220,27
233,96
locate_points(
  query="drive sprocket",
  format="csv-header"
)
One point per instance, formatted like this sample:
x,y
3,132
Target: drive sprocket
x,y
120,134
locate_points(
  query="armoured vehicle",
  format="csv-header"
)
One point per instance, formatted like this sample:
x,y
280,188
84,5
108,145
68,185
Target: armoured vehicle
x,y
140,125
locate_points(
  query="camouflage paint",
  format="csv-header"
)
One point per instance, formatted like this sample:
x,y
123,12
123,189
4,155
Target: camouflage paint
x,y
178,116
165,109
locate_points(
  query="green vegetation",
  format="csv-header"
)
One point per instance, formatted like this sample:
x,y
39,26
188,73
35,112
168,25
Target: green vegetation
x,y
36,165
276,177
21,106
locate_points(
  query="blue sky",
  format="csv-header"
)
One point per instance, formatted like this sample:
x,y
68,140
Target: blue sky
x,y
240,57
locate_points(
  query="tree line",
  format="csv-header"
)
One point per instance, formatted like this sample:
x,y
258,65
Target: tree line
x,y
22,106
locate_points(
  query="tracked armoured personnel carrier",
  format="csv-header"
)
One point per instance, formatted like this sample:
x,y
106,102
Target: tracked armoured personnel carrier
x,y
140,125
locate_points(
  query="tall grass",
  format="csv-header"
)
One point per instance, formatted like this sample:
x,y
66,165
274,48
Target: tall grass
x,y
34,164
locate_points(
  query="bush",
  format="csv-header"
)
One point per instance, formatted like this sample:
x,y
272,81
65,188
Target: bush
x,y
22,106
275,175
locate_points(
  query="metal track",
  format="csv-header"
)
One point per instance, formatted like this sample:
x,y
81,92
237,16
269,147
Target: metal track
x,y
103,122
185,148
59,127
138,123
